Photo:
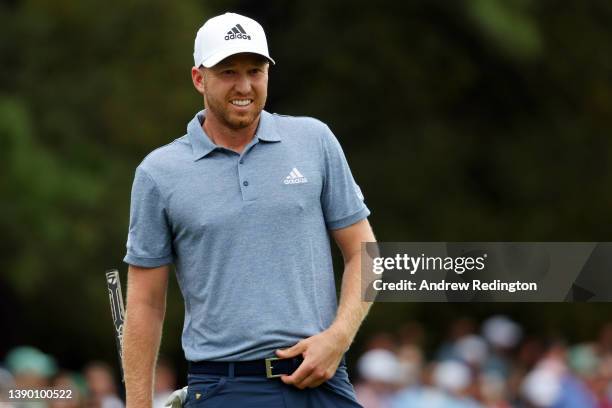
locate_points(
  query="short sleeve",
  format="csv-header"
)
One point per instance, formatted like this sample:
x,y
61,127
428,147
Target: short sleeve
x,y
341,199
149,242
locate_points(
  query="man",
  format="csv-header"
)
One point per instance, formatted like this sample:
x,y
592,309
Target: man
x,y
242,205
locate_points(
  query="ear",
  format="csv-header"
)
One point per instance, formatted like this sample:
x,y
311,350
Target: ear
x,y
197,77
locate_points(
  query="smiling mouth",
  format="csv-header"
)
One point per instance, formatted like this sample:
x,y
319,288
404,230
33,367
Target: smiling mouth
x,y
241,102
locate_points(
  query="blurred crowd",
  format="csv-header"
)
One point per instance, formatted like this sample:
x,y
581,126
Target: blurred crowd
x,y
27,368
493,365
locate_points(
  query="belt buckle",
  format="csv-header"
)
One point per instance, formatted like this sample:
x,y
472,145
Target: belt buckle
x,y
270,367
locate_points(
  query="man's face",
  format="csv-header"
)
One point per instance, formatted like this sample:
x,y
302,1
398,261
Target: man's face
x,y
235,90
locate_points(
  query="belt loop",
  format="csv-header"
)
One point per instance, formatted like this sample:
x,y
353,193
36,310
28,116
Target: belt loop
x,y
230,370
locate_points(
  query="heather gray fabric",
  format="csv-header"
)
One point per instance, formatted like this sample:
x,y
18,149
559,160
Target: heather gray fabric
x,y
248,233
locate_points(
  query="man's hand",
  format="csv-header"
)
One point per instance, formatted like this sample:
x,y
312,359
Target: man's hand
x,y
177,398
322,354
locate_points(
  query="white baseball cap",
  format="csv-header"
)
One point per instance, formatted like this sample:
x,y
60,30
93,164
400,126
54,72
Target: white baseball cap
x,y
226,35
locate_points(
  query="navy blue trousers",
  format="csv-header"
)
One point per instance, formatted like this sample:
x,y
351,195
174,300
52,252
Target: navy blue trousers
x,y
209,391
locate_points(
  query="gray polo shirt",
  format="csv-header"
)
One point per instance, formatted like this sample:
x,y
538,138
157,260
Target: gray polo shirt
x,y
248,233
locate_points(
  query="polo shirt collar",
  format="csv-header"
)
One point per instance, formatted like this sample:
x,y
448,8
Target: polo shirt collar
x,y
202,145
266,130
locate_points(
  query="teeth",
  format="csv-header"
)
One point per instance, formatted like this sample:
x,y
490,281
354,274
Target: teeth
x,y
241,102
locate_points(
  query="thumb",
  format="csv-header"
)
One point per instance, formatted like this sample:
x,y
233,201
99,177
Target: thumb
x,y
295,350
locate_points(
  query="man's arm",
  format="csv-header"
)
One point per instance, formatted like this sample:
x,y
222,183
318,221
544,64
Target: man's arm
x,y
351,310
146,307
322,353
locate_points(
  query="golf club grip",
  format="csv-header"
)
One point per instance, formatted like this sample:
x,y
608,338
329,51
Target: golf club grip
x,y
113,284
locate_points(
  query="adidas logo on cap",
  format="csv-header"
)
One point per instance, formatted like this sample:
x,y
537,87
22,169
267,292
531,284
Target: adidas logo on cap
x,y
237,32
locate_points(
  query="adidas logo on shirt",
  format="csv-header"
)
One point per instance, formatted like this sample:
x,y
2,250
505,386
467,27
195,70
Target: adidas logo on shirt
x,y
237,32
295,177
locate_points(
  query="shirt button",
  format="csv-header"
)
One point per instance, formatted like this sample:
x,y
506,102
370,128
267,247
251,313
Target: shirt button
x,y
245,183
241,161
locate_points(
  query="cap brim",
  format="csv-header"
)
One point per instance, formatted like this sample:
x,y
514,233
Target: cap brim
x,y
221,55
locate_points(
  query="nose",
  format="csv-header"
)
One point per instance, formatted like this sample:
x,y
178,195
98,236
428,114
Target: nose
x,y
243,84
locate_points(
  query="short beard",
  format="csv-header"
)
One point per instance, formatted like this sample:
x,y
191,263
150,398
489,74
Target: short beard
x,y
232,121
234,124
217,108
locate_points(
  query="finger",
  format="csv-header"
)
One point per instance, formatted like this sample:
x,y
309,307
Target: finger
x,y
302,372
295,350
317,377
313,380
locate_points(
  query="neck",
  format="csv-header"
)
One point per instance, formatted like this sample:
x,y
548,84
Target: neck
x,y
224,136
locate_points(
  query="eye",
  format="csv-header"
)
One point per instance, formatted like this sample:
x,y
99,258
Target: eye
x,y
228,72
255,71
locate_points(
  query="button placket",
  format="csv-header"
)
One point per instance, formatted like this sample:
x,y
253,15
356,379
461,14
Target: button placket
x,y
245,181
